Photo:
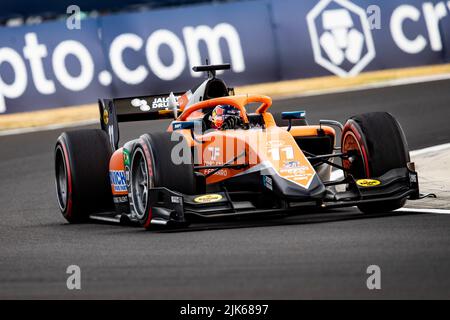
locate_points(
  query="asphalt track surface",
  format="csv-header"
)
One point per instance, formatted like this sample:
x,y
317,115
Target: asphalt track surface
x,y
308,256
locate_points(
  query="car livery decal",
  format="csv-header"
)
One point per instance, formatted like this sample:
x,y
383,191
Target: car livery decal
x,y
208,198
274,149
118,180
368,182
288,161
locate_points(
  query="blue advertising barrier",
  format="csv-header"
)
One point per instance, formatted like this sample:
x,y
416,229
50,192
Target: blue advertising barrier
x,y
155,51
50,65
346,37
445,31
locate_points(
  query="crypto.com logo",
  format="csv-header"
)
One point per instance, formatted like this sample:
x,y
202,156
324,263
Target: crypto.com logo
x,y
338,45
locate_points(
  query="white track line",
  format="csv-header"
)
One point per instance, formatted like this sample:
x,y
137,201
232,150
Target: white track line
x,y
432,149
49,127
436,211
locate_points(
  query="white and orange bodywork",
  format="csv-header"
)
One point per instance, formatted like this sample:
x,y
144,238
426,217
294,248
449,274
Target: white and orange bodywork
x,y
118,176
270,150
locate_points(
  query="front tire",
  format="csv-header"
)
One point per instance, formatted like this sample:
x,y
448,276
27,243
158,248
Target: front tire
x,y
152,166
378,143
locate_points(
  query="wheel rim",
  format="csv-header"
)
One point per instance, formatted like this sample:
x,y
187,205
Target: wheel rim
x,y
350,145
61,179
140,183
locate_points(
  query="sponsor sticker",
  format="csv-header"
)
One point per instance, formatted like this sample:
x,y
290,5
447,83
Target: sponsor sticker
x,y
118,180
291,164
158,103
268,182
141,104
208,198
105,116
161,103
175,199
121,199
126,157
368,182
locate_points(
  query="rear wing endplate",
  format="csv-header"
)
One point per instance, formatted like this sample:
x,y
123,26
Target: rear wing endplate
x,y
114,111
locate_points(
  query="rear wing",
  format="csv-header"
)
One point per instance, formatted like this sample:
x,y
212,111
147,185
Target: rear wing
x,y
114,111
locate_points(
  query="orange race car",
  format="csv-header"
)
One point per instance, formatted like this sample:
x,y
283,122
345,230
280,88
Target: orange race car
x,y
226,155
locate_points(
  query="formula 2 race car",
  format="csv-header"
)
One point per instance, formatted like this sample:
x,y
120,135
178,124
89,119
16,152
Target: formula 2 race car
x,y
263,165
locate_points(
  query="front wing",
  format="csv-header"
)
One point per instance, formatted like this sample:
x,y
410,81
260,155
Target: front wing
x,y
172,208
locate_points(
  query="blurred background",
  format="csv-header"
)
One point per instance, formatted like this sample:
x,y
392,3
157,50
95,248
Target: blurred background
x,y
31,12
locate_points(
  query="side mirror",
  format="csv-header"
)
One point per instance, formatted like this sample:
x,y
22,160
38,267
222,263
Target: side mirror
x,y
293,115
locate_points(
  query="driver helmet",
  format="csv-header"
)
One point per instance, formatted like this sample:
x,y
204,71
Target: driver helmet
x,y
220,113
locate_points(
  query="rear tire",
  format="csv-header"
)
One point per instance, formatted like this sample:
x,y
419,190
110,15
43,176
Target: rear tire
x,y
152,166
379,144
81,171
